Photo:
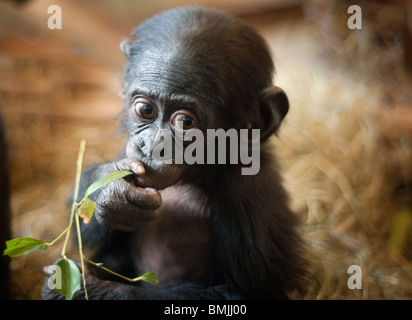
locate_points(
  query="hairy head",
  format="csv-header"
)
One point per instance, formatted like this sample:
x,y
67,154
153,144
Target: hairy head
x,y
206,66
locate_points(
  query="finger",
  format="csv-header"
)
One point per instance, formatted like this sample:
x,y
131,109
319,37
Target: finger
x,y
132,164
147,198
47,270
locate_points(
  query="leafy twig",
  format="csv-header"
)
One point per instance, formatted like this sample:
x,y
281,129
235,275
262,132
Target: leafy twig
x,y
70,281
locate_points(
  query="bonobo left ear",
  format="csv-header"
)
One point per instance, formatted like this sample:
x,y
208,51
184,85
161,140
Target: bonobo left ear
x,y
273,107
125,47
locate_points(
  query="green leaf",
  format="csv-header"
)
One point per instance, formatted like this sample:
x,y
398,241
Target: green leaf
x,y
86,210
20,246
149,277
105,180
71,277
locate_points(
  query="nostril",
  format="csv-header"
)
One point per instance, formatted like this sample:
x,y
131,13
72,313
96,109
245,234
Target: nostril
x,y
141,144
146,150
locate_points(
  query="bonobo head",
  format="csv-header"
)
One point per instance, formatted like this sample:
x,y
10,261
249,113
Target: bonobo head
x,y
192,68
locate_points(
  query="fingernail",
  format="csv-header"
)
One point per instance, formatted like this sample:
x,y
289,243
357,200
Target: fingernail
x,y
140,169
137,167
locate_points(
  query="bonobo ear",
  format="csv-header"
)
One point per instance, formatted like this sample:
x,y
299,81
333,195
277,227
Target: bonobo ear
x,y
273,107
125,47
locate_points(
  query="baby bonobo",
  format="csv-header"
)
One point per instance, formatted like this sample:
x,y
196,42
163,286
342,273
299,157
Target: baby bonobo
x,y
207,230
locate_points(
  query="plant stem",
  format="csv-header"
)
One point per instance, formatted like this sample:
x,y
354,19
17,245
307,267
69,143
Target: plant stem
x,y
79,238
73,214
76,192
112,272
61,235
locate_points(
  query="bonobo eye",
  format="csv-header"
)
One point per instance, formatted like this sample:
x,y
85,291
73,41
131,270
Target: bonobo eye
x,y
144,109
184,120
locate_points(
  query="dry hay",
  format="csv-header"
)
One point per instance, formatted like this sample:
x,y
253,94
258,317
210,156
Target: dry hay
x,y
346,151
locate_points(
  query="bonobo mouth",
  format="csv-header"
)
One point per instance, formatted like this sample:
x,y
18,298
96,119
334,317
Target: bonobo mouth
x,y
158,174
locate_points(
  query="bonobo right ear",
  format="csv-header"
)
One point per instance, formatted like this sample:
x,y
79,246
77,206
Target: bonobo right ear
x,y
125,47
273,107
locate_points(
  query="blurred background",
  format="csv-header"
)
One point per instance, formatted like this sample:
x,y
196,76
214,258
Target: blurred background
x,y
345,148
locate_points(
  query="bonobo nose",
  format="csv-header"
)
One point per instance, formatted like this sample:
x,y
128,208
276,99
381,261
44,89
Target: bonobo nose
x,y
146,147
155,145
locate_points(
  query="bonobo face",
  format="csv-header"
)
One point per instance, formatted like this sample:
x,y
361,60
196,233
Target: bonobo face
x,y
156,116
211,73
169,95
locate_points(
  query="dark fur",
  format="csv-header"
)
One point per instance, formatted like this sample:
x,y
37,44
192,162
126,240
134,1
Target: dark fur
x,y
217,234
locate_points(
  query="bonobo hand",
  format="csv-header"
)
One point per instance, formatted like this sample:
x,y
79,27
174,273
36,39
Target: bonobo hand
x,y
122,205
